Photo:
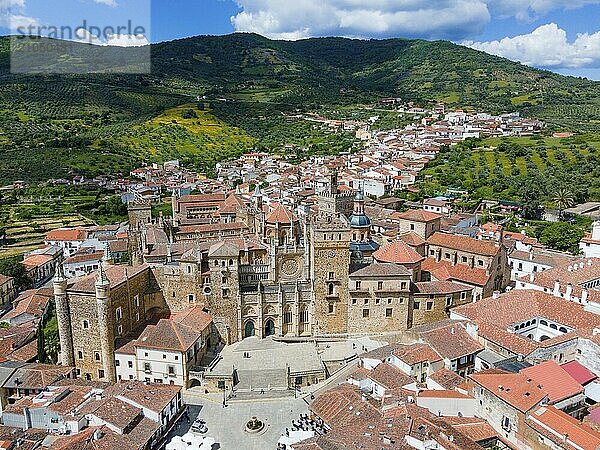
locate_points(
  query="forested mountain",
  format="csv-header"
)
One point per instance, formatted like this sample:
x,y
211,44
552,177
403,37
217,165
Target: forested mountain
x,y
102,123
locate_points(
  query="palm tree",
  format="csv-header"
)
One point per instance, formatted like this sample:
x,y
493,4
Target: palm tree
x,y
563,200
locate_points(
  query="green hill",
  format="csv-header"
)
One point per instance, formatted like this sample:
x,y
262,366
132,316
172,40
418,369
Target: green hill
x,y
51,125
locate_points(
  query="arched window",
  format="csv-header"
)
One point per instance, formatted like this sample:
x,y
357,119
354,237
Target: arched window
x,y
304,315
287,315
563,330
553,326
543,322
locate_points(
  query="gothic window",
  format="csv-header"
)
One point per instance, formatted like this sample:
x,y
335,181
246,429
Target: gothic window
x,y
119,313
97,356
80,354
304,315
137,300
287,316
86,324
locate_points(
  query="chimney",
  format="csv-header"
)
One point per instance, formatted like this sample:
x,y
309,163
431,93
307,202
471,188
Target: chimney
x,y
532,277
570,268
590,262
584,296
569,291
581,265
556,291
496,294
531,254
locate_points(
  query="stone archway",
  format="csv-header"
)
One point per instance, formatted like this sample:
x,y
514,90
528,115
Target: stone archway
x,y
269,327
249,329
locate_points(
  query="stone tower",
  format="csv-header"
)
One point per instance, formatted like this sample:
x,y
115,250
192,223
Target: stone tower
x,y
330,238
223,297
332,200
139,211
105,325
63,314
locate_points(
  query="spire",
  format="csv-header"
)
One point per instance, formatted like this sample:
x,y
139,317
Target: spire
x,y
238,190
59,274
101,278
257,192
107,258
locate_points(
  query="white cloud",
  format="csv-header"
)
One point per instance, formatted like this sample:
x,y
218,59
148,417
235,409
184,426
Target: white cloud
x,y
527,10
107,2
548,47
449,19
452,19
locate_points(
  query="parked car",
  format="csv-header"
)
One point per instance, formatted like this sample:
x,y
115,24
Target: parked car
x,y
199,426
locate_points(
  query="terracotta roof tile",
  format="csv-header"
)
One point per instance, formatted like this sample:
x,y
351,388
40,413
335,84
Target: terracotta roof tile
x,y
554,380
513,388
556,425
464,244
397,252
417,215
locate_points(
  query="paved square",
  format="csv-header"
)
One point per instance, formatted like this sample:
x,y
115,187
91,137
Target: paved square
x,y
226,425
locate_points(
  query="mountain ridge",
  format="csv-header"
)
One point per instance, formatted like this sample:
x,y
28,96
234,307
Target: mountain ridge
x,y
79,117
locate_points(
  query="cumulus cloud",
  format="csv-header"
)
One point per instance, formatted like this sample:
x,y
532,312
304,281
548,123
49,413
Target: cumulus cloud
x,y
548,47
450,19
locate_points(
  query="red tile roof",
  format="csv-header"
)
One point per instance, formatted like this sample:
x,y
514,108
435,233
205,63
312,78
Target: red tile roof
x,y
563,429
66,234
444,270
416,353
554,380
397,252
282,215
442,394
464,244
513,388
579,372
417,215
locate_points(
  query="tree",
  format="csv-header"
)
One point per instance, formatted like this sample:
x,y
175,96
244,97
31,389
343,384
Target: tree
x,y
563,200
562,236
12,267
41,345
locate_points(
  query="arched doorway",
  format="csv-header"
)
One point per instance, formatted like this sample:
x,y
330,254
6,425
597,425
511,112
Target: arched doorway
x,y
269,328
249,329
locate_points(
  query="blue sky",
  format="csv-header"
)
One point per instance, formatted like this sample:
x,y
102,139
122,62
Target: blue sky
x,y
540,33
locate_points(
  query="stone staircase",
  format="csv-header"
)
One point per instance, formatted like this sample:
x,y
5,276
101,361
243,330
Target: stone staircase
x,y
261,380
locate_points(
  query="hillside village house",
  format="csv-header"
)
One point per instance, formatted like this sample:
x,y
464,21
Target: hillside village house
x,y
167,351
525,263
531,324
7,289
68,239
590,245
41,264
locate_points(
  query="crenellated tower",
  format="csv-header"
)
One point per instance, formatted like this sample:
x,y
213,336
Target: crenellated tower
x,y
105,328
63,314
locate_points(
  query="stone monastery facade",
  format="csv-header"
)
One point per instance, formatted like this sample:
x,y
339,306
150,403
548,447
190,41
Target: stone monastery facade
x,y
261,269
